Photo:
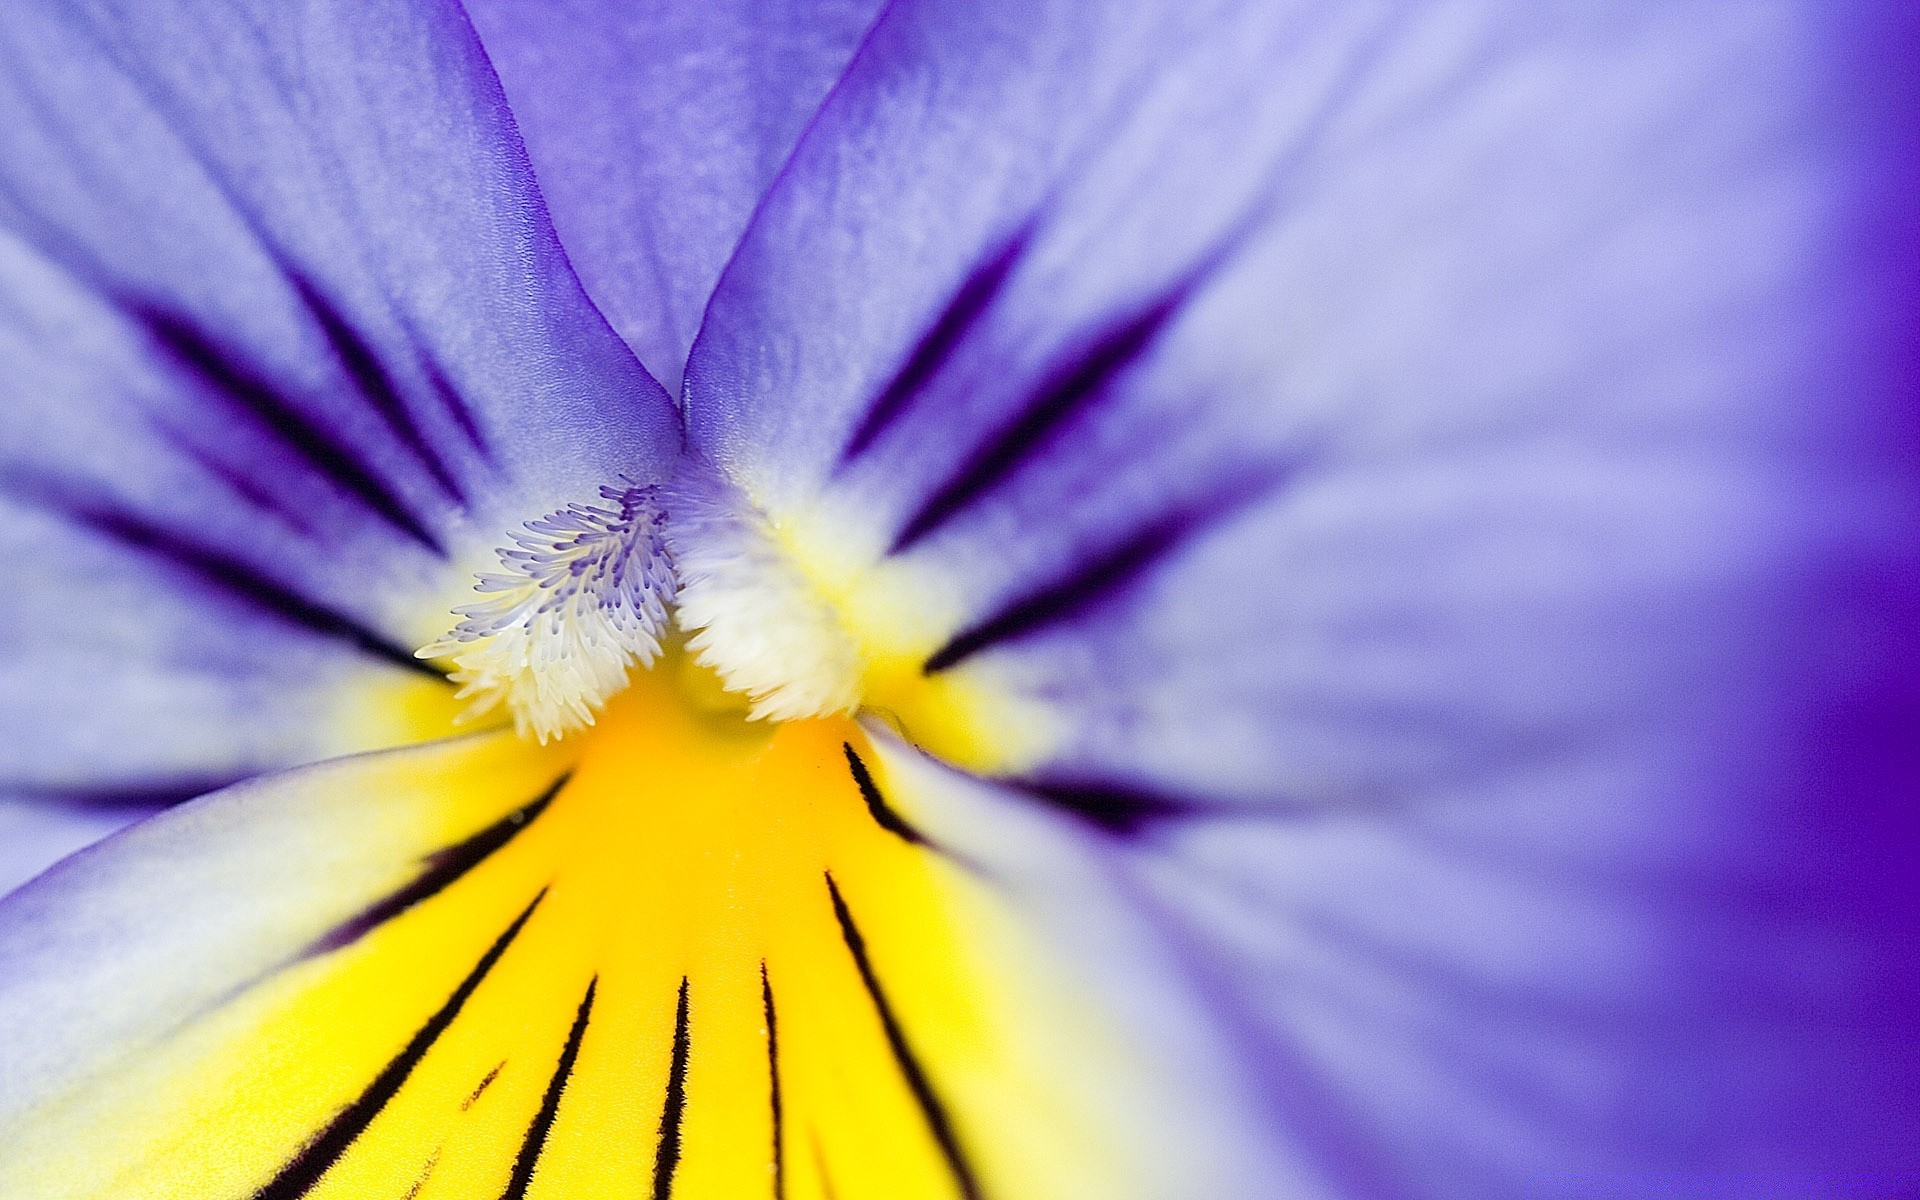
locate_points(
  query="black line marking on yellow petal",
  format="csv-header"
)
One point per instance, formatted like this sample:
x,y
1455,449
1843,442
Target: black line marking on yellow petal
x,y
877,806
486,1082
535,1140
931,1107
773,1077
443,869
318,1156
666,1152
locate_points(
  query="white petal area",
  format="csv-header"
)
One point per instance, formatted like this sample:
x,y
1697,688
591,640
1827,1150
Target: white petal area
x,y
750,613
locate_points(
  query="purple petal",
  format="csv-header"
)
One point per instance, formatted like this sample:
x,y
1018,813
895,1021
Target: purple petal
x,y
654,129
286,340
1471,447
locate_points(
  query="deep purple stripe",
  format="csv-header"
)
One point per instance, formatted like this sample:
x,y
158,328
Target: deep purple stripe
x,y
262,498
937,345
109,797
1064,599
1108,573
443,868
318,1156
1117,808
214,567
457,408
227,372
374,382
1066,391
535,1141
931,1107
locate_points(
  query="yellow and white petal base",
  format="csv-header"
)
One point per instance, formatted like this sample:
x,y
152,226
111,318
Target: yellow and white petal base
x,y
680,954
799,609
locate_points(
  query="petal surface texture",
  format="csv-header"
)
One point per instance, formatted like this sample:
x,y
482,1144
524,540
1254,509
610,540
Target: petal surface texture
x,y
1437,486
35,834
286,345
655,127
685,954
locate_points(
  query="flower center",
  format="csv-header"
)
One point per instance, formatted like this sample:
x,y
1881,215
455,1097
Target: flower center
x,y
585,598
582,600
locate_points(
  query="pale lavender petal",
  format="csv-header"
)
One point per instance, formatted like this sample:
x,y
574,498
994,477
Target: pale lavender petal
x,y
1461,450
654,128
286,341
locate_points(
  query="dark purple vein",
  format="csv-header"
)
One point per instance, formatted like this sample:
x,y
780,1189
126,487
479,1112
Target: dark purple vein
x,y
937,345
1118,809
1063,599
226,371
221,570
374,382
1069,389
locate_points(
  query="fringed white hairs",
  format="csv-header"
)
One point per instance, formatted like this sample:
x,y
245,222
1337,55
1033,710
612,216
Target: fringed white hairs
x,y
585,598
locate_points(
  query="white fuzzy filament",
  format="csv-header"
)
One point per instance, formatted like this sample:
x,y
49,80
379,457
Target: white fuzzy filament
x,y
750,615
583,600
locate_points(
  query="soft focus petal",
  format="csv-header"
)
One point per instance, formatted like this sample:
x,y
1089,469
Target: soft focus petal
x,y
1484,995
34,835
286,344
655,127
1474,447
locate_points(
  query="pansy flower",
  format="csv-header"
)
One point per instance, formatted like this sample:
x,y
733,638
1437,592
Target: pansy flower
x,y
1006,599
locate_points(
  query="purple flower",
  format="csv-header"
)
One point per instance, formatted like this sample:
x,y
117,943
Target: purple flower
x,y
1192,600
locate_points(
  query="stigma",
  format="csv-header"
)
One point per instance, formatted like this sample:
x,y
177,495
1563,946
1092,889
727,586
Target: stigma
x,y
583,599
